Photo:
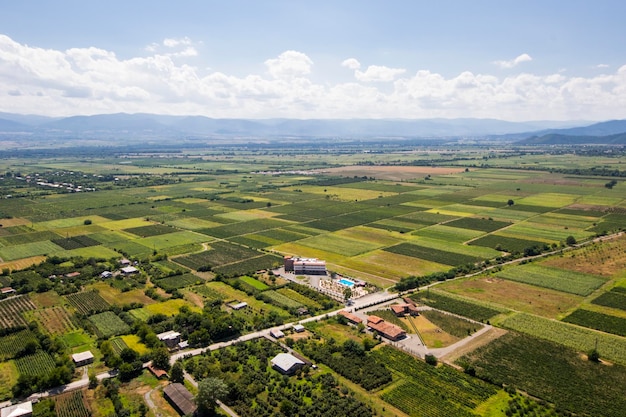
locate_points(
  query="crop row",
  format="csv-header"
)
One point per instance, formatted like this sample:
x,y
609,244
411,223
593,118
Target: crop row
x,y
87,302
439,388
451,324
37,364
11,310
475,223
243,228
220,253
178,281
433,255
12,344
551,372
505,243
615,298
299,298
463,308
248,266
55,320
553,278
75,242
610,346
279,299
71,404
107,324
598,321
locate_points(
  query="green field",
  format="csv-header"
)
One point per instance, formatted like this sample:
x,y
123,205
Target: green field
x,y
553,278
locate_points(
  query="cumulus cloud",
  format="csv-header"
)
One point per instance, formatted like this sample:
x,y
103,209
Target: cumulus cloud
x,y
289,64
602,66
175,47
513,62
378,73
94,80
351,63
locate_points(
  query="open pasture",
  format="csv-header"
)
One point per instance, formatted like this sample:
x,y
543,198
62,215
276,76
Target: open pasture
x,y
513,295
338,244
555,200
28,250
611,347
549,233
8,378
554,278
170,240
169,308
114,296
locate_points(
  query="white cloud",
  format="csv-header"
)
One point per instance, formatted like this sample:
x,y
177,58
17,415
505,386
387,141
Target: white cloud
x,y
289,64
602,66
351,63
173,43
514,62
378,73
94,80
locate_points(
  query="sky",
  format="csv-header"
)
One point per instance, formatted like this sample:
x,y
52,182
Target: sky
x,y
410,59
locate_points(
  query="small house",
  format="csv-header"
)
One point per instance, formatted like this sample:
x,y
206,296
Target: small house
x,y
106,274
170,338
7,290
352,318
24,409
286,363
129,270
277,333
124,262
298,328
238,306
83,358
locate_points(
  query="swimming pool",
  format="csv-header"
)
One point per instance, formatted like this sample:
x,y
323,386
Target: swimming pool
x,y
346,282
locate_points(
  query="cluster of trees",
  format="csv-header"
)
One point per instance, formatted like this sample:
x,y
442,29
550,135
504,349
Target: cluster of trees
x,y
349,360
61,374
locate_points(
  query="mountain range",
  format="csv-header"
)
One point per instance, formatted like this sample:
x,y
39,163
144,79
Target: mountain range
x,y
142,126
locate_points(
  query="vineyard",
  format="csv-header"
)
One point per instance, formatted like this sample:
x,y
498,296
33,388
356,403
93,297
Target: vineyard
x,y
71,404
13,343
107,324
118,345
279,299
87,302
11,310
248,266
54,320
37,364
598,321
433,255
549,371
299,298
445,302
178,281
432,391
610,346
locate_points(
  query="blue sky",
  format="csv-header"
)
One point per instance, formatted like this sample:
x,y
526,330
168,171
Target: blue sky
x,y
512,60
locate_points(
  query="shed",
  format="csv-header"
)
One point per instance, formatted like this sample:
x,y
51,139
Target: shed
x,y
238,306
286,363
180,398
298,328
8,290
83,358
24,409
170,338
128,270
106,274
277,333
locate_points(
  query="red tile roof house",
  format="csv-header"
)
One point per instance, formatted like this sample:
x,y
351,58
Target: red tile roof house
x,y
385,329
354,319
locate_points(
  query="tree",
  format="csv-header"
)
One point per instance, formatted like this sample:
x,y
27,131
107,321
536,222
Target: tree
x,y
594,355
570,240
161,358
431,360
87,222
347,294
510,203
177,372
93,379
210,390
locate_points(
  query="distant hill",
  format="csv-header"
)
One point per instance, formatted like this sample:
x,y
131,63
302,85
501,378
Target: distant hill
x,y
560,139
151,128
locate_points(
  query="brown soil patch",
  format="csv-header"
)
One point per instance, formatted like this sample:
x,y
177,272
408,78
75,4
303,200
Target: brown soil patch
x,y
22,263
516,296
431,334
473,344
195,299
393,172
16,221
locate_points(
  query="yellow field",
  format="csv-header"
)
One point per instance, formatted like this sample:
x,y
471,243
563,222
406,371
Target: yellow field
x,y
16,221
133,342
8,378
341,193
126,223
245,215
192,223
22,263
432,335
115,296
391,265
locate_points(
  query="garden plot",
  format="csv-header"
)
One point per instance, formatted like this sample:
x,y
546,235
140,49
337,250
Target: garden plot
x,y
557,279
